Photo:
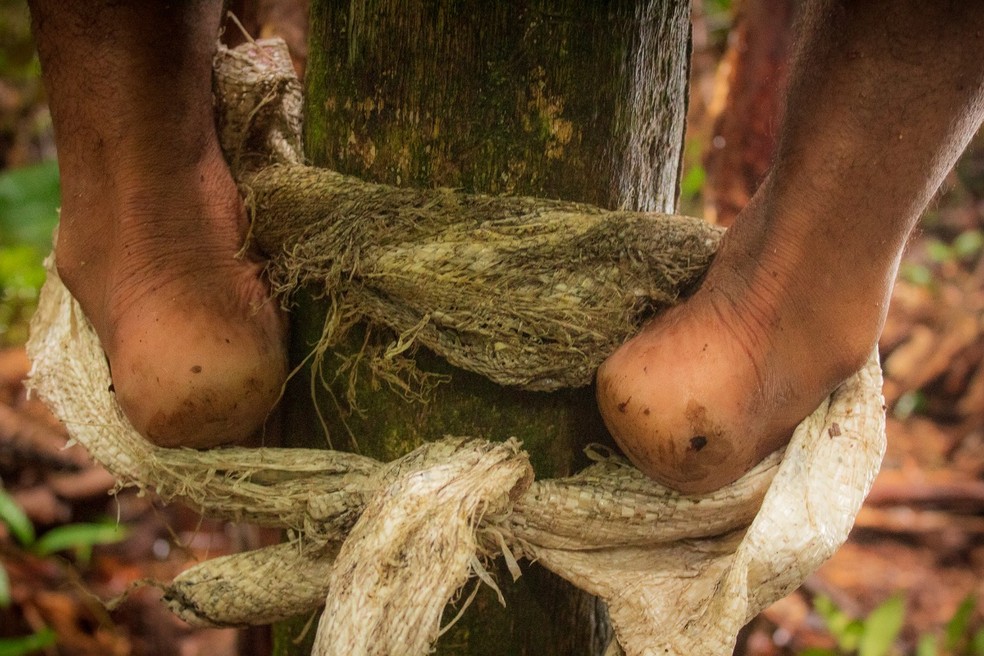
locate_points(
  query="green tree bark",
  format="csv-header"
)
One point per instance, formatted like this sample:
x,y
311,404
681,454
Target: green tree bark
x,y
575,99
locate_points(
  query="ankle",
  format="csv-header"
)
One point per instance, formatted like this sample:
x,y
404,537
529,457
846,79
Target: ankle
x,y
133,224
772,291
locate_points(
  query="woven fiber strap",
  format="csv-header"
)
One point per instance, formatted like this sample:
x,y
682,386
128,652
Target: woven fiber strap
x,y
681,574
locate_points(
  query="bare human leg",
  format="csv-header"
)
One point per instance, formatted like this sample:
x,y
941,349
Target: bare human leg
x,y
884,97
151,220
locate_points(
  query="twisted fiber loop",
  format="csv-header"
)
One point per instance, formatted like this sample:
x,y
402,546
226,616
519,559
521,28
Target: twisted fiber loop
x,y
578,279
679,573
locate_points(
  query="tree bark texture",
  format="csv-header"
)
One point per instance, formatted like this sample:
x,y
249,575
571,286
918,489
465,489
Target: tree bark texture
x,y
573,99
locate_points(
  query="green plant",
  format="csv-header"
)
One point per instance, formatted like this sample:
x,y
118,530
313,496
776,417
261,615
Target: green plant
x,y
965,247
27,644
694,177
79,538
911,403
29,199
871,636
958,638
693,181
917,274
876,634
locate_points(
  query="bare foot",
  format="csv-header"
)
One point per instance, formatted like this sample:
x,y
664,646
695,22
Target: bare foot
x,y
195,345
715,384
883,97
152,222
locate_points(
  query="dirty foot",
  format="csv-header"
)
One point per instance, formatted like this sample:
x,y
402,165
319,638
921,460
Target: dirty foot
x,y
796,298
195,345
712,386
151,220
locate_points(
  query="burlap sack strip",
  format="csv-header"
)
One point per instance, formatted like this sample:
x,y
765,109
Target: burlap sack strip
x,y
679,573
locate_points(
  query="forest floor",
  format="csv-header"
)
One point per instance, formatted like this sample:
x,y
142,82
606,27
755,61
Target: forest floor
x,y
918,538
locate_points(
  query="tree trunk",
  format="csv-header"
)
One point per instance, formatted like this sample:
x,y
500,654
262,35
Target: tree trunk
x,y
572,99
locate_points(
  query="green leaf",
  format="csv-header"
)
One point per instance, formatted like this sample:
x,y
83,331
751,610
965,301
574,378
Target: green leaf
x,y
12,515
938,251
927,646
817,651
968,243
910,403
79,537
956,628
917,274
833,617
4,588
29,200
978,643
851,636
21,270
693,181
27,644
845,630
882,627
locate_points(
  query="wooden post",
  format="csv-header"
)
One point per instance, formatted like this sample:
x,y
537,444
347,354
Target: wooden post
x,y
575,99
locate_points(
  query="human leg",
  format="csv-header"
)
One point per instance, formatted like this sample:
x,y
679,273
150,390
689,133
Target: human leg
x,y
884,96
151,221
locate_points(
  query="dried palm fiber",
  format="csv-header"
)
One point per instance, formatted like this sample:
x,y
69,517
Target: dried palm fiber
x,y
680,574
572,281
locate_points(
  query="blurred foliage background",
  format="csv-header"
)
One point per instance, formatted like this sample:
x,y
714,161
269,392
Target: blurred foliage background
x,y
29,192
906,583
